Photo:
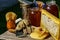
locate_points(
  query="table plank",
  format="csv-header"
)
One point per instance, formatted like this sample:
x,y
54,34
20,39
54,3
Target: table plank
x,y
11,36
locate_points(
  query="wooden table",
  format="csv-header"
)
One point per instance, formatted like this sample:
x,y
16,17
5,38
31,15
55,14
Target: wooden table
x,y
11,36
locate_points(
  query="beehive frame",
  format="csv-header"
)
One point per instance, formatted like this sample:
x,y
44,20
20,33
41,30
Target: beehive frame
x,y
51,24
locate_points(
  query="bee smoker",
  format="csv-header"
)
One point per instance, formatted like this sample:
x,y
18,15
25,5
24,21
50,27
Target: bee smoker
x,y
24,5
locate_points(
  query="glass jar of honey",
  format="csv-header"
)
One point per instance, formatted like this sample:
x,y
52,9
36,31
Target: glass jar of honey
x,y
35,16
52,8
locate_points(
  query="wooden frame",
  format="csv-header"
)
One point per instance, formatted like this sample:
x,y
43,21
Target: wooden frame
x,y
51,24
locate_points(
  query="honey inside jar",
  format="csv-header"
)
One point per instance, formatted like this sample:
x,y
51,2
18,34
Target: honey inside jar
x,y
52,8
35,16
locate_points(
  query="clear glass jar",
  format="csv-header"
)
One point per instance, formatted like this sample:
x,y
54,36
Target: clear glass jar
x,y
35,16
52,8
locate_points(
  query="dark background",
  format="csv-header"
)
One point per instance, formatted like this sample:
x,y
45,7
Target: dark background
x,y
15,8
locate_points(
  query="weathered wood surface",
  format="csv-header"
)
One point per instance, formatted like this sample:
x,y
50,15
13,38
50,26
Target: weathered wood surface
x,y
11,36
